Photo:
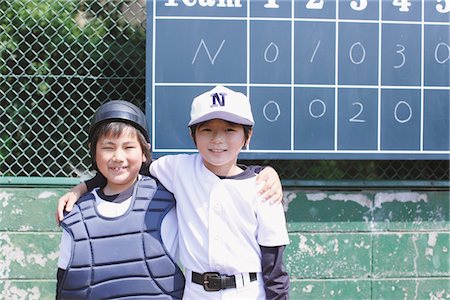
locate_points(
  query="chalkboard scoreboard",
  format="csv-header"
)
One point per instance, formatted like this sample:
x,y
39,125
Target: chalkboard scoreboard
x,y
353,79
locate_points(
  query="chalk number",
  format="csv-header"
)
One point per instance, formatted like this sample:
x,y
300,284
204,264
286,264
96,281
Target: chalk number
x,y
402,4
358,5
318,108
442,6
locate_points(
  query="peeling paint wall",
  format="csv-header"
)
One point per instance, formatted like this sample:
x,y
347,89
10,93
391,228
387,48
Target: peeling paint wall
x,y
29,242
376,244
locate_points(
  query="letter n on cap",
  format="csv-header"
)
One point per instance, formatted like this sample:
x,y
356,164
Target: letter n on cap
x,y
218,99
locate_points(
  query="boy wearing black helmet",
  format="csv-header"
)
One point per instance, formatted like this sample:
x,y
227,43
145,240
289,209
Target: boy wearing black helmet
x,y
120,241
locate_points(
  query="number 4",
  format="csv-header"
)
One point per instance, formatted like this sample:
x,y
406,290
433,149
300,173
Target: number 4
x,y
403,4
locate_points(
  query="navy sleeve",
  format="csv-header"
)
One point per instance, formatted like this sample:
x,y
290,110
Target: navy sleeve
x,y
59,278
255,169
275,276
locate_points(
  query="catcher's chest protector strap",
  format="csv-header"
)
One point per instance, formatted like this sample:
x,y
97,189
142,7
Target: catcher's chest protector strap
x,y
122,257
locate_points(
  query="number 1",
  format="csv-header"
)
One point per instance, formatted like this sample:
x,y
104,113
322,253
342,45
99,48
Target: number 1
x,y
271,4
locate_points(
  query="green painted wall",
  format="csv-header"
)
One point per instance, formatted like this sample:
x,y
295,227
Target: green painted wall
x,y
375,244
371,244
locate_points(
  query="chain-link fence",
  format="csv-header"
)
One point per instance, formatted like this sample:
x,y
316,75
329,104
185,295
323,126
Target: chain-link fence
x,y
60,59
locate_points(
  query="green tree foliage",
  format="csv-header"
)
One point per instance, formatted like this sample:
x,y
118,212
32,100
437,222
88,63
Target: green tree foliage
x,y
59,59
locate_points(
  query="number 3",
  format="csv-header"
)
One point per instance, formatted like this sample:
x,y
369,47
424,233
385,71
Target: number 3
x,y
358,7
402,49
443,8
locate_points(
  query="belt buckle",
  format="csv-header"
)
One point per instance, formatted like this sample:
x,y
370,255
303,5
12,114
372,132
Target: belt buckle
x,y
207,276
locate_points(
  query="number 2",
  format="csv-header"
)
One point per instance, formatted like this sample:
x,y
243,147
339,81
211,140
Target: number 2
x,y
355,117
314,4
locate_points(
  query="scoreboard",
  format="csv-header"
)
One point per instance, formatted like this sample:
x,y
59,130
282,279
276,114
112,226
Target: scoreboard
x,y
326,79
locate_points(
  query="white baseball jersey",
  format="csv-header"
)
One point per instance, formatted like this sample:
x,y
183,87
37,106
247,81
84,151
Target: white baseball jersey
x,y
222,222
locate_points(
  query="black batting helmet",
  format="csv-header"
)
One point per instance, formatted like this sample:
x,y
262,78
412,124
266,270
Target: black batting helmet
x,y
121,111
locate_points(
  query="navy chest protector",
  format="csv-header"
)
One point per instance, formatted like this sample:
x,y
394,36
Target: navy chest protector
x,y
122,257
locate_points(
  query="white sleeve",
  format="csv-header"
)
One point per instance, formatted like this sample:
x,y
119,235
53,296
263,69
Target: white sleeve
x,y
65,249
169,233
164,170
271,224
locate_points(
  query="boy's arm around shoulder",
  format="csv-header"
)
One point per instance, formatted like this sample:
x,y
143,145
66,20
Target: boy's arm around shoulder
x,y
272,238
67,201
271,189
275,277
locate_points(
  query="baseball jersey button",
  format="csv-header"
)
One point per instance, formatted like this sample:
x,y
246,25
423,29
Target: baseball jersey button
x,y
217,207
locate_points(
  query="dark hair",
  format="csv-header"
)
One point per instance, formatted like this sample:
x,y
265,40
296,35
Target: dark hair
x,y
246,128
115,129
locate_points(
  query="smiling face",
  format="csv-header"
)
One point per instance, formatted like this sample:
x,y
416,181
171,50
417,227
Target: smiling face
x,y
119,158
219,143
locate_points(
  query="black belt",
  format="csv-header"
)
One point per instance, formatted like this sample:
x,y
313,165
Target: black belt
x,y
213,281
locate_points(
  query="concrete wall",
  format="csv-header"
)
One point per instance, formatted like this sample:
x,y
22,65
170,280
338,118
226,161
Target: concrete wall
x,y
374,244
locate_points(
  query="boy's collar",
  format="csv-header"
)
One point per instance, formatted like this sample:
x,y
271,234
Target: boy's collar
x,y
117,198
245,174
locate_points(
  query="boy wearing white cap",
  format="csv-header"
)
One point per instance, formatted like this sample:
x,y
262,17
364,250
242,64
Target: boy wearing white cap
x,y
231,243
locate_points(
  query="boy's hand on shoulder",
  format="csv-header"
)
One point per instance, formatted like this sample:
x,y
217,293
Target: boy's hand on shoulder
x,y
67,201
271,189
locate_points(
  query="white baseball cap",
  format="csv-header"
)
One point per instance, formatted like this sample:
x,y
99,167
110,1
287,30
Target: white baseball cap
x,y
221,103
